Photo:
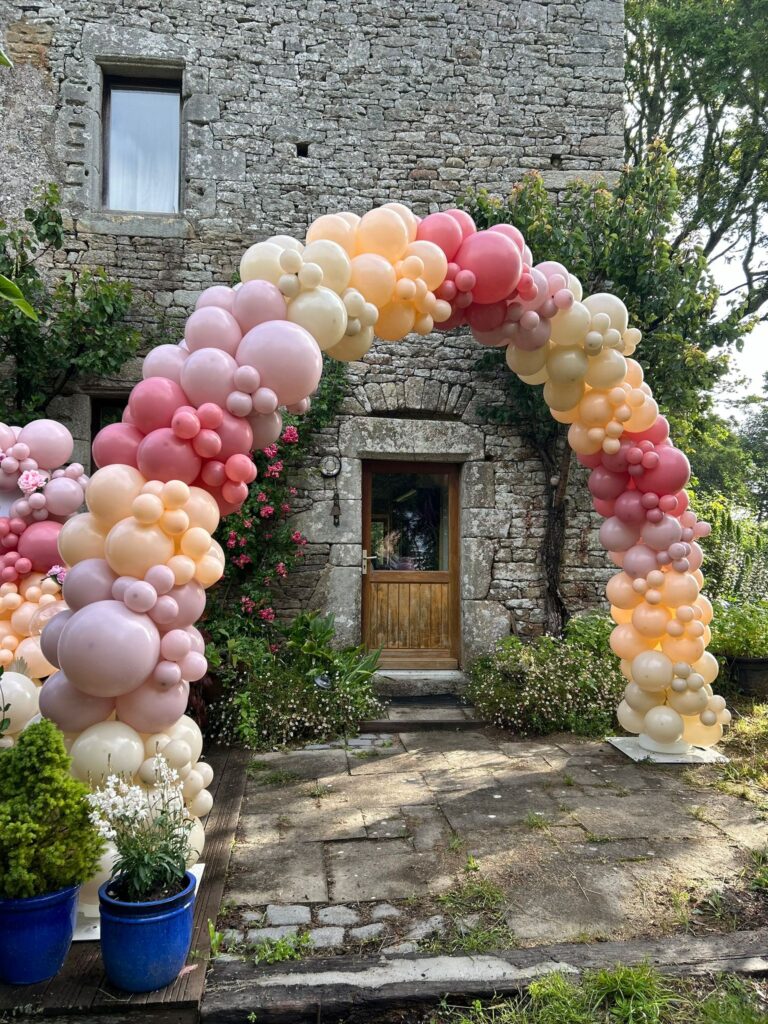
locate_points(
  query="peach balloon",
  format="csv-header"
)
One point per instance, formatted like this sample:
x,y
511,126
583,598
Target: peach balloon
x,y
132,549
374,277
683,648
651,620
433,258
202,509
383,232
82,537
334,228
626,642
679,588
395,321
621,593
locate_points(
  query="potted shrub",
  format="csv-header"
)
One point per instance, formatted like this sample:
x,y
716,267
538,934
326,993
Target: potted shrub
x,y
48,848
740,637
146,907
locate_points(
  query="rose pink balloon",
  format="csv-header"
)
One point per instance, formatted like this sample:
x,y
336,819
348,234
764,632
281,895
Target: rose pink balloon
x,y
190,599
38,543
512,233
662,534
442,230
488,317
256,302
287,357
657,432
153,403
175,645
196,639
107,650
150,709
164,456
139,596
208,376
165,610
70,709
605,484
591,461
88,581
629,507
695,557
265,429
218,295
166,674
63,496
616,535
50,443
164,361
496,263
7,437
234,493
463,219
236,437
639,561
117,443
602,507
241,469
193,666
49,638
212,327
670,475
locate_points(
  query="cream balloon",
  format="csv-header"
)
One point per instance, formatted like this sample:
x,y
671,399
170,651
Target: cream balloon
x,y
663,724
108,748
628,718
205,772
570,326
18,700
350,349
111,492
606,370
188,730
334,262
688,702
262,263
641,700
652,670
321,312
567,366
525,363
201,804
604,302
196,841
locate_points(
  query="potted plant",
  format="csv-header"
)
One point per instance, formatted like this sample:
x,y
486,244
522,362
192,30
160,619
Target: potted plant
x,y
147,906
740,637
48,848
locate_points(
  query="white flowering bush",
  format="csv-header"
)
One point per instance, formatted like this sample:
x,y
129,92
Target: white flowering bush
x,y
551,684
150,830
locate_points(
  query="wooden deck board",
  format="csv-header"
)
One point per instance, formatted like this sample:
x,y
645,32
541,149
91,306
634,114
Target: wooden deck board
x,y
81,988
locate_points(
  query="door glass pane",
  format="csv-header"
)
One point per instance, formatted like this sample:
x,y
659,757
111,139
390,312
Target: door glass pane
x,y
143,150
409,522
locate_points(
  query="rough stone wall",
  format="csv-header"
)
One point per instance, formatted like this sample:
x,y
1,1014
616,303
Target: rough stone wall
x,y
394,100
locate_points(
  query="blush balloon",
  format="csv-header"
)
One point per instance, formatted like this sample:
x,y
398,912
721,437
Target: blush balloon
x,y
149,709
88,581
50,444
117,444
266,429
164,456
63,496
164,361
287,357
218,295
153,403
39,543
212,327
256,302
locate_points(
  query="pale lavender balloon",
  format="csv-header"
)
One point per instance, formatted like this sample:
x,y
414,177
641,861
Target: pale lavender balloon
x,y
695,558
266,429
63,496
208,376
107,650
165,361
198,644
256,302
161,577
70,709
639,561
190,600
287,357
150,709
49,442
239,403
49,638
616,535
218,295
165,610
212,327
88,581
660,536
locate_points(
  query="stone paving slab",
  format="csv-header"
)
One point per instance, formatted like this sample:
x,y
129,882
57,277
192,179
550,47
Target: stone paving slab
x,y
381,871
283,873
637,815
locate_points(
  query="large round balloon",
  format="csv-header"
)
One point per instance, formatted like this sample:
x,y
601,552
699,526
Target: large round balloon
x,y
287,358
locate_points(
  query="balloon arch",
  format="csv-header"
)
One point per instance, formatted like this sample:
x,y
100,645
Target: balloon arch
x,y
120,655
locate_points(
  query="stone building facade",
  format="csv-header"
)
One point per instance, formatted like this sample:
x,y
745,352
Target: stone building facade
x,y
293,109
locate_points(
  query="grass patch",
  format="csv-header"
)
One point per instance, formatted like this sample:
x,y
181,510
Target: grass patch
x,y
266,776
568,780
318,792
475,910
473,896
275,951
366,754
455,843
536,821
746,744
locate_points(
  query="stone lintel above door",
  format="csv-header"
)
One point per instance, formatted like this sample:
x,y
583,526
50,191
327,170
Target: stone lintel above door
x,y
388,438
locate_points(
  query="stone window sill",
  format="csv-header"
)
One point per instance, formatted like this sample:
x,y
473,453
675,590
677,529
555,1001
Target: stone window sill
x,y
150,225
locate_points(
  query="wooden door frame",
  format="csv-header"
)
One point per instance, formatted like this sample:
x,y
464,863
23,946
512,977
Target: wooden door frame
x,y
415,657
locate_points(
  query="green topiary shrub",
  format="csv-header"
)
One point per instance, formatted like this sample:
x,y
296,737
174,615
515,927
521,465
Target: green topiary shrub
x,y
740,630
47,839
551,684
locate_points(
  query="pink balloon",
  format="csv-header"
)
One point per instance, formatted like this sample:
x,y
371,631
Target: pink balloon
x,y
671,474
486,317
512,233
7,437
266,429
49,638
605,484
591,461
616,535
151,709
218,295
463,219
166,674
154,401
682,503
629,507
176,644
164,456
160,577
164,610
193,666
603,508
196,639
256,302
287,357
212,327
117,443
639,560
234,493
496,263
164,361
39,544
208,376
70,709
139,596
107,650
241,469
657,432
661,535
63,496
190,600
88,581
50,443
442,230
236,436
695,557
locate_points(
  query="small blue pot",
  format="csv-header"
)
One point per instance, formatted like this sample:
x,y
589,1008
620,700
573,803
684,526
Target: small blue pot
x,y
35,935
145,945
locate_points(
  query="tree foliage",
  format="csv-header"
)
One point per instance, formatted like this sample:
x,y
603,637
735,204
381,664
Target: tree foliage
x,y
80,330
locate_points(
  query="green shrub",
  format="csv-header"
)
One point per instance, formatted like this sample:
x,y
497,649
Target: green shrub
x,y
550,684
298,690
48,841
740,630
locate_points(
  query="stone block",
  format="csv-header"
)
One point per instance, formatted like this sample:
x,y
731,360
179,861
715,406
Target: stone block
x,y
476,567
201,109
483,623
326,938
257,935
294,913
446,441
337,915
478,485
384,912
366,932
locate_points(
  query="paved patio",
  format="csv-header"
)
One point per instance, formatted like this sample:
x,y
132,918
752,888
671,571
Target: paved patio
x,y
355,842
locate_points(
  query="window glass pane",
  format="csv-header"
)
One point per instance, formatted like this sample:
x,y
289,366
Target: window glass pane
x,y
409,522
143,172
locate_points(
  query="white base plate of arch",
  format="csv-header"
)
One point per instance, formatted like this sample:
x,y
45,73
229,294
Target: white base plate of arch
x,y
88,929
630,746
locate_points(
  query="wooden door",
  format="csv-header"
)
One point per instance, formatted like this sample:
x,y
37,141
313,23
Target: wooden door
x,y
411,563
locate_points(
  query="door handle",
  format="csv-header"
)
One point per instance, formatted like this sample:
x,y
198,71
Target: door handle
x,y
364,564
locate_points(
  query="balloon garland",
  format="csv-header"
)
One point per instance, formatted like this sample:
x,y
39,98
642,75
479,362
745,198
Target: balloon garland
x,y
142,556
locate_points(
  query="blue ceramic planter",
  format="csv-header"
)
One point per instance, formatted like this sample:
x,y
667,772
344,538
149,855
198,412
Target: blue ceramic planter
x,y
35,935
145,945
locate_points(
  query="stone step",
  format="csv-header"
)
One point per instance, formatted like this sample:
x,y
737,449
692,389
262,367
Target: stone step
x,y
417,682
421,714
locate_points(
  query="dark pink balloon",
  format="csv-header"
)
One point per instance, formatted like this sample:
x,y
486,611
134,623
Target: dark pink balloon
x,y
512,233
256,302
496,263
117,443
591,461
629,507
236,437
487,317
88,581
670,475
463,219
69,708
657,432
39,544
150,708
616,535
164,456
606,485
154,401
603,508
639,560
442,230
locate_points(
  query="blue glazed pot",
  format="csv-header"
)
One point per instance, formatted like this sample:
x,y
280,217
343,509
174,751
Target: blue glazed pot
x,y
145,945
35,935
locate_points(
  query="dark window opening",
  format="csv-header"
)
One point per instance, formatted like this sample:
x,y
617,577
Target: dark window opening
x,y
106,409
556,160
302,149
141,144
